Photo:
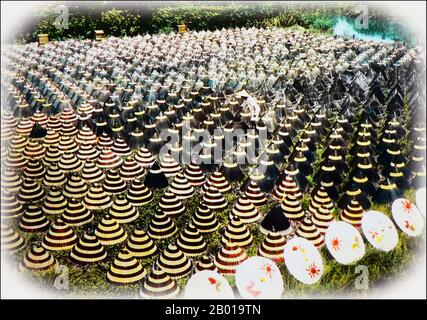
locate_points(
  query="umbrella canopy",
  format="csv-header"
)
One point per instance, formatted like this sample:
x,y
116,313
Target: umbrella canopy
x,y
30,191
34,170
10,207
91,173
37,259
156,178
174,262
208,284
11,241
205,220
322,218
194,174
353,214
161,226
122,211
140,245
238,233
75,187
52,156
214,200
67,144
275,221
181,187
308,230
191,242
292,208
125,269
171,205
33,220
88,250
205,263
319,197
76,214
285,187
245,210
138,194
87,152
97,199
144,158
229,257
69,163
113,183
158,285
108,159
120,147
272,247
169,166
10,181
109,232
255,195
130,170
217,180
59,237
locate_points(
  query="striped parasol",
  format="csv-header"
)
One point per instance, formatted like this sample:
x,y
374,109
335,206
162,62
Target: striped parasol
x,y
140,245
309,231
30,191
238,233
138,194
109,232
229,257
125,269
10,207
76,214
97,199
181,187
59,237
55,202
272,247
10,181
67,144
205,220
33,220
171,205
37,259
245,210
158,285
130,170
108,160
144,158
161,226
52,156
88,250
11,241
174,262
75,187
122,211
191,242
205,263
91,173
34,170
113,183
194,174
214,200
54,177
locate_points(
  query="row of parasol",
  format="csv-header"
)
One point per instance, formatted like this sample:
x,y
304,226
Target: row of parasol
x,y
82,127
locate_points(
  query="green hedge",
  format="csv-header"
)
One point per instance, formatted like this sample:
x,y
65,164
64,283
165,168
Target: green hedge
x,y
118,20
